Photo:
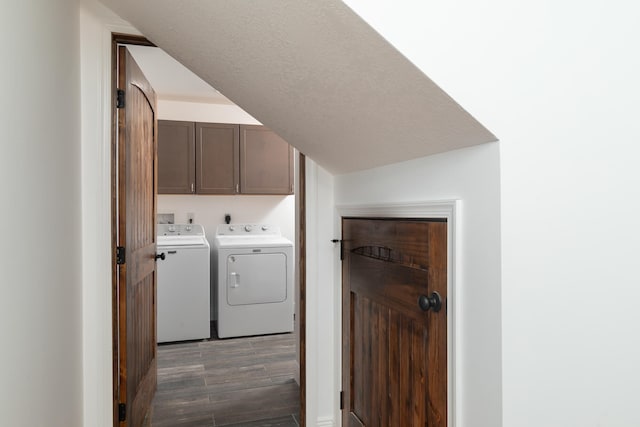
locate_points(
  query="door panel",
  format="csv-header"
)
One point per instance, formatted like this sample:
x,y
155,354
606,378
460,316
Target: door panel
x,y
266,162
176,157
183,298
136,189
256,278
218,150
394,353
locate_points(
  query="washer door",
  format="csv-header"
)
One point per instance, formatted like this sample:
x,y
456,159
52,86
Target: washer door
x,y
256,278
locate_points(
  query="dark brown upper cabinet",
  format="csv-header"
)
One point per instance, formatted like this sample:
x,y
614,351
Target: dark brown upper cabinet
x,y
176,157
266,162
222,159
217,154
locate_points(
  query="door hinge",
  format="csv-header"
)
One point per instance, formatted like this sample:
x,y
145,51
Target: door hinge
x,y
342,400
341,247
120,255
122,412
120,99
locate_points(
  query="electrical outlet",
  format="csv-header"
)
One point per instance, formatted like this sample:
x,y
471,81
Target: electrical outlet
x,y
165,218
190,217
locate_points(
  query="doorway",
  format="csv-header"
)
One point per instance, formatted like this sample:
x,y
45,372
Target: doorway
x,y
448,213
117,40
394,276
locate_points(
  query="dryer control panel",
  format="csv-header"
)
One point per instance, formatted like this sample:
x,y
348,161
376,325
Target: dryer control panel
x,y
247,229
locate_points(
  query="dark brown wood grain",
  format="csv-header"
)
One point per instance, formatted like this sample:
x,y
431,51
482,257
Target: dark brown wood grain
x,y
437,343
176,157
394,354
302,265
217,158
222,159
116,40
136,279
130,39
266,162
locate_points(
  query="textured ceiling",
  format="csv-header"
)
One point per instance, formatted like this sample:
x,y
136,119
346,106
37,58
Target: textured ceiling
x,y
314,72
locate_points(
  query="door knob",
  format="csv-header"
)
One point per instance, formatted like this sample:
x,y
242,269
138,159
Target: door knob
x,y
431,302
160,256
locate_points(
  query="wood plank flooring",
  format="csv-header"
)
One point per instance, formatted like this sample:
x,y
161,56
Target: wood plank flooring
x,y
239,382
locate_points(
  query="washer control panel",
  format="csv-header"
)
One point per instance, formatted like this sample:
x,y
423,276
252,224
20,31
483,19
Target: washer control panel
x,y
180,230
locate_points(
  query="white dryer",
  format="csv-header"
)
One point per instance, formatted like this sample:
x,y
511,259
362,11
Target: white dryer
x,y
183,283
252,269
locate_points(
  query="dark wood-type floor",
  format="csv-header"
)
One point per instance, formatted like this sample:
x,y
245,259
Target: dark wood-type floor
x,y
239,382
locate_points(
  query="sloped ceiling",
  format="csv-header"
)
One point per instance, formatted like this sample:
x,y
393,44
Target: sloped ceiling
x,y
314,72
171,80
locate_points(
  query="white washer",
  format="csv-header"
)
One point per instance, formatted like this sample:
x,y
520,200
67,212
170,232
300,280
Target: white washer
x,y
252,267
183,283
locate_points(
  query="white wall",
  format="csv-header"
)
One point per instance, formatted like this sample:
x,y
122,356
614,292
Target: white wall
x,y
203,112
210,210
322,345
41,258
570,208
557,83
472,176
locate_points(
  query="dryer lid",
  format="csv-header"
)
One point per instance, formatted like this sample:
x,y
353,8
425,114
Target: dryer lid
x,y
252,241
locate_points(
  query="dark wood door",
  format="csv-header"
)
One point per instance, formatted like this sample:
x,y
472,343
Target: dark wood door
x,y
266,162
394,353
217,152
176,157
136,208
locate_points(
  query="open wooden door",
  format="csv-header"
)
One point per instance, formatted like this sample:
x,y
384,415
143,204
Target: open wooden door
x,y
135,299
394,361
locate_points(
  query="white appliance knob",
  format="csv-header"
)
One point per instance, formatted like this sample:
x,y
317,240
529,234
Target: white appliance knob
x,y
265,228
247,228
232,228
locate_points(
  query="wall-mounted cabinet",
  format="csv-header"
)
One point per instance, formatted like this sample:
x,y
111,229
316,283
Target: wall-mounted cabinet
x,y
214,158
176,157
266,162
217,158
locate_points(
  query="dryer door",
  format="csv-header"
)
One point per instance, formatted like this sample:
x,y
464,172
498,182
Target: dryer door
x,y
259,278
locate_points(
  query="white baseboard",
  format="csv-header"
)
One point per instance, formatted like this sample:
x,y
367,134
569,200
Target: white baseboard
x,y
296,374
325,422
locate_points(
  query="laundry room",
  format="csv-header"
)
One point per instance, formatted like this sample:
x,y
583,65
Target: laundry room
x,y
226,188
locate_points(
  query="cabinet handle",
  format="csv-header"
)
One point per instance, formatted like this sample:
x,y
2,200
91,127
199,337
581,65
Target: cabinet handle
x,y
237,188
192,187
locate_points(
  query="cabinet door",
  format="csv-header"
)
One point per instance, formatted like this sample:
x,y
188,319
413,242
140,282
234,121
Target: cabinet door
x,y
217,158
266,162
176,157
